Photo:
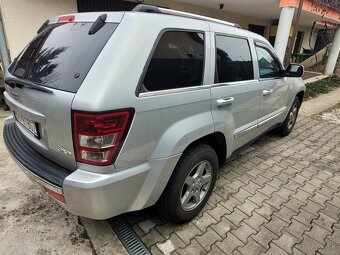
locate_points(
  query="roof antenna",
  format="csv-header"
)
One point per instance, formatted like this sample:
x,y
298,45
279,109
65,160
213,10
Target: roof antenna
x,y
98,24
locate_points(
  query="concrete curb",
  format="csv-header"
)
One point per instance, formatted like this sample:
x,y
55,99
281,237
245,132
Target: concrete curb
x,y
102,237
320,103
316,78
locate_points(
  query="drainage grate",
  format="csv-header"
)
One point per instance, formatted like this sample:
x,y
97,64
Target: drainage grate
x,y
128,237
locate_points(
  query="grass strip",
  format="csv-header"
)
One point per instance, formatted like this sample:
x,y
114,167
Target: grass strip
x,y
322,86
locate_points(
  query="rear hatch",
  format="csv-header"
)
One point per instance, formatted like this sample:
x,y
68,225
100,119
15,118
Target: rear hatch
x,y
43,80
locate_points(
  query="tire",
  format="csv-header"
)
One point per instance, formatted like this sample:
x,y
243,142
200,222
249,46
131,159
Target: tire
x,y
287,126
181,202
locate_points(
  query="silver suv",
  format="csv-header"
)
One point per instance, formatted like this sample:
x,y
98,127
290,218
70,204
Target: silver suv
x,y
115,112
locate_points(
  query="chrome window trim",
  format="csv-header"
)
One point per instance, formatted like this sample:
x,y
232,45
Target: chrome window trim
x,y
237,37
140,87
232,83
270,78
173,91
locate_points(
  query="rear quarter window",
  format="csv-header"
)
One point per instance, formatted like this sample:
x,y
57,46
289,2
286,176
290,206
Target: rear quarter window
x,y
61,56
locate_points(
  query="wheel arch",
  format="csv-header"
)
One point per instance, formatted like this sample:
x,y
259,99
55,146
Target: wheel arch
x,y
217,141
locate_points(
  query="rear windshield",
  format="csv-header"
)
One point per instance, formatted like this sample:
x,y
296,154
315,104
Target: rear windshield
x,y
61,56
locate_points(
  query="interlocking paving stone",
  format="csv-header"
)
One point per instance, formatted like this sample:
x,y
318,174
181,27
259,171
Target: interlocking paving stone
x,y
223,227
152,238
255,221
285,214
331,248
325,221
275,250
332,211
243,232
266,211
204,221
276,225
286,242
264,237
193,248
229,244
252,247
278,196
305,217
215,250
188,232
248,207
208,238
309,245
318,233
297,229
218,212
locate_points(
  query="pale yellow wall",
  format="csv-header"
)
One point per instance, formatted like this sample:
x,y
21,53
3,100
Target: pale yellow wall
x,y
22,18
242,20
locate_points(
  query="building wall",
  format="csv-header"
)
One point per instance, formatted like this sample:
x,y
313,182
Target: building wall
x,y
23,18
306,36
242,20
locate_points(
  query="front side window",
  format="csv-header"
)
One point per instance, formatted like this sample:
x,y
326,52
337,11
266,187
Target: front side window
x,y
268,66
233,60
177,62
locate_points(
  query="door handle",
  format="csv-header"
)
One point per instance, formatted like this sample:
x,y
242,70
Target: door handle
x,y
267,92
224,101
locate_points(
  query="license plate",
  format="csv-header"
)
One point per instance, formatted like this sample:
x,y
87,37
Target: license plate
x,y
29,124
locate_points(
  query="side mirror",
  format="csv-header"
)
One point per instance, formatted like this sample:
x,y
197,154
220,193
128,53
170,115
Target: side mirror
x,y
294,70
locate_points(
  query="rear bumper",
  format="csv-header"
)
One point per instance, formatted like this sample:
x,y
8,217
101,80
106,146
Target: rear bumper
x,y
88,194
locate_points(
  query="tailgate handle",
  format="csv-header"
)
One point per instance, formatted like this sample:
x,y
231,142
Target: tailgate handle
x,y
224,101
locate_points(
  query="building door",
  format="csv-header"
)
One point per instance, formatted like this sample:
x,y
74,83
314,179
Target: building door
x,y
257,29
105,5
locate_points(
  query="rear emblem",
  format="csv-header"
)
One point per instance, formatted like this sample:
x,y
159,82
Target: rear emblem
x,y
64,151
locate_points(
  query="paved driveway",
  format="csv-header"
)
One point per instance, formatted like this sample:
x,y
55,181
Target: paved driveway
x,y
279,196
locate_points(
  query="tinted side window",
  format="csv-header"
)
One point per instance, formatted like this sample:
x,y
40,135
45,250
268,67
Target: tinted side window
x,y
177,62
233,60
267,64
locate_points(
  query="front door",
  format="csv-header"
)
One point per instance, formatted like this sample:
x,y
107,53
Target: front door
x,y
274,88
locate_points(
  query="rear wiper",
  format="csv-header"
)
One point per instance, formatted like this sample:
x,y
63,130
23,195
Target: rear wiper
x,y
16,82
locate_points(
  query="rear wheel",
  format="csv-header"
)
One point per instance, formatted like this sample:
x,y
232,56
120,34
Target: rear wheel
x,y
191,184
287,126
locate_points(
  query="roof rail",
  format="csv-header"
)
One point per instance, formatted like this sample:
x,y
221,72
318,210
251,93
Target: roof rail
x,y
160,10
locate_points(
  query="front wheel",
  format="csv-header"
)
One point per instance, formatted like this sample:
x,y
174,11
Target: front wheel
x,y
190,185
287,126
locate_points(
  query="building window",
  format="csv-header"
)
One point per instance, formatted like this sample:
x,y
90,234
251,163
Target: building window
x,y
177,62
233,60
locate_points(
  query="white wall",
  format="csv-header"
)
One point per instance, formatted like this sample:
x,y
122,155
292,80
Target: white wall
x,y
306,36
22,18
242,20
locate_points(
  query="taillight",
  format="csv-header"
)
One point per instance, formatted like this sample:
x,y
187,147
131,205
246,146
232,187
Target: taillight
x,y
66,19
99,136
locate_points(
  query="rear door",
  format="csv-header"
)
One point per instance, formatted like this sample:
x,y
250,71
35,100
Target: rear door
x,y
274,87
235,94
43,80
